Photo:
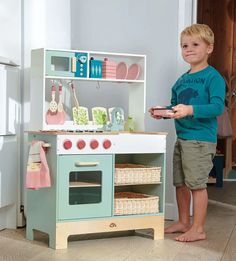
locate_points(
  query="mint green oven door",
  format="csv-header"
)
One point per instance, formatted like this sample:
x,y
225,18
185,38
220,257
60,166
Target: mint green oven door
x,y
85,186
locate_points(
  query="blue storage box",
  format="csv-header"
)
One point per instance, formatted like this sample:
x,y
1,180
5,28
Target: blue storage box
x,y
95,68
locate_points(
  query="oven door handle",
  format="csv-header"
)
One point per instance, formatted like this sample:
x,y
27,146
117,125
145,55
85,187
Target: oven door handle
x,y
86,163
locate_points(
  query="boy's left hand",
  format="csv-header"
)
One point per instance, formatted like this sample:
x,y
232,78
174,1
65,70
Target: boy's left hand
x,y
182,110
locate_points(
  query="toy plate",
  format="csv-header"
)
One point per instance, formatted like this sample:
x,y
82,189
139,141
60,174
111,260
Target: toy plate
x,y
121,70
133,72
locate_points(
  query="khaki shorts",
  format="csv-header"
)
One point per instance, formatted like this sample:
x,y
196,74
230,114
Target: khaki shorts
x,y
192,163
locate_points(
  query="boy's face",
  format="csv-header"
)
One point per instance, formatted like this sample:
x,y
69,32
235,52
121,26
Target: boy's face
x,y
195,51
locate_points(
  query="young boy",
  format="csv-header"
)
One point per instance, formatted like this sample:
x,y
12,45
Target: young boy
x,y
197,99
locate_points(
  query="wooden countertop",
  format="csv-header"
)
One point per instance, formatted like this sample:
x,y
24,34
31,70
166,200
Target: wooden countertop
x,y
94,133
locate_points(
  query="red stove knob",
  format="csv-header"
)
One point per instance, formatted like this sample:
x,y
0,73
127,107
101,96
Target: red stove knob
x,y
106,144
67,144
94,144
81,144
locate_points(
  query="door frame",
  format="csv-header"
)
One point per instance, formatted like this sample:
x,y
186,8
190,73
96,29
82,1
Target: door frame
x,y
187,15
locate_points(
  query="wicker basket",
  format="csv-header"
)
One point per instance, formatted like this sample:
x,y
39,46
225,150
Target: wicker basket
x,y
128,203
136,174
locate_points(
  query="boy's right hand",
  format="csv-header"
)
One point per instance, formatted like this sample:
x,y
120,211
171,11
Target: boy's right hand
x,y
151,111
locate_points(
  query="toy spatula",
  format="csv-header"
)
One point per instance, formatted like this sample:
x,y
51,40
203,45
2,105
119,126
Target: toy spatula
x,y
60,110
53,104
54,116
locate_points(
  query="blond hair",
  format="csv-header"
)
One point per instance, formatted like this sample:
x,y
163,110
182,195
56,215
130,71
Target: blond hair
x,y
202,31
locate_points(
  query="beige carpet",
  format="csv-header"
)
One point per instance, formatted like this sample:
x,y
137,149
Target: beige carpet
x,y
227,194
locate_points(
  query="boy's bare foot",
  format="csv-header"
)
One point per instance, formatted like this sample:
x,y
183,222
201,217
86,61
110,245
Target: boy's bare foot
x,y
177,228
191,235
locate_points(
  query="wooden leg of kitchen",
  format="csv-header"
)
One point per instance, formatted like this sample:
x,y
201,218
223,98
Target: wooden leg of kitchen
x,y
158,230
61,238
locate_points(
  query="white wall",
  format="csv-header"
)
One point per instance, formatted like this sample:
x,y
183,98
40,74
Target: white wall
x,y
25,25
46,24
136,26
10,29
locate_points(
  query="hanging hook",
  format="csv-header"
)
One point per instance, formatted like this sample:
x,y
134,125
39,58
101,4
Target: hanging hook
x,y
98,85
69,82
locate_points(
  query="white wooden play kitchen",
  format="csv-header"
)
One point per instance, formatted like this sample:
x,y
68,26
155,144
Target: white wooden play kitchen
x,y
104,179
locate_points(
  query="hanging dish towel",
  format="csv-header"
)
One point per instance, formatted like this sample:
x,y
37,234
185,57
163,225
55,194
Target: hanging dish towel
x,y
37,175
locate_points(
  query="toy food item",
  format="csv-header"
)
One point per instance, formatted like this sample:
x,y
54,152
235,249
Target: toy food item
x,y
99,115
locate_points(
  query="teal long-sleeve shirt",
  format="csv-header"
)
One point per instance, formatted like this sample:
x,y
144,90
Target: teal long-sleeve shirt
x,y
205,91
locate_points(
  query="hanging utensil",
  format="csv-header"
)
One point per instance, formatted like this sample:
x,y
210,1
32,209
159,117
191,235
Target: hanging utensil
x,y
56,114
60,110
80,114
53,104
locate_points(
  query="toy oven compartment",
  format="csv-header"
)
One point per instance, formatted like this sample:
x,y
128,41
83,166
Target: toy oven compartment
x,y
85,183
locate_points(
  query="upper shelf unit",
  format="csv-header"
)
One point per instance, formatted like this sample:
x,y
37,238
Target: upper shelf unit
x,y
64,66
99,66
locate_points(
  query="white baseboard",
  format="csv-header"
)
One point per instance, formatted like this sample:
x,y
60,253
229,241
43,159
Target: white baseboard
x,y
8,217
171,212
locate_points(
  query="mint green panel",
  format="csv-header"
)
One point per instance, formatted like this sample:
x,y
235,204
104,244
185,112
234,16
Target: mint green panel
x,y
84,186
58,63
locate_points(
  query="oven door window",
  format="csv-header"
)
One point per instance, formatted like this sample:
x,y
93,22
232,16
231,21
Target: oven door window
x,y
85,187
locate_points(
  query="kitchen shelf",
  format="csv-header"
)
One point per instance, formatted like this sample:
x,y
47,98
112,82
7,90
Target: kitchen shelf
x,y
93,79
83,184
47,65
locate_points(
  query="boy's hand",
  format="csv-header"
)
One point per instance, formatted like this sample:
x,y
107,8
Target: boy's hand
x,y
182,110
151,111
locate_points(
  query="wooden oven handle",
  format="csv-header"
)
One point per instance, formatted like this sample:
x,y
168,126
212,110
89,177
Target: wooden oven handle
x,y
86,163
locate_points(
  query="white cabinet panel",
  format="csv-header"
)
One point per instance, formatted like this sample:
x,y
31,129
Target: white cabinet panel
x,y
8,170
9,100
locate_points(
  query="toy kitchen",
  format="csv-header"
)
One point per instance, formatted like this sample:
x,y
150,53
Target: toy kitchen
x,y
105,173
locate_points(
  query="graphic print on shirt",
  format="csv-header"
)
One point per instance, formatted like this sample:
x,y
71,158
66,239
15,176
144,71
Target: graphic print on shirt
x,y
186,95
